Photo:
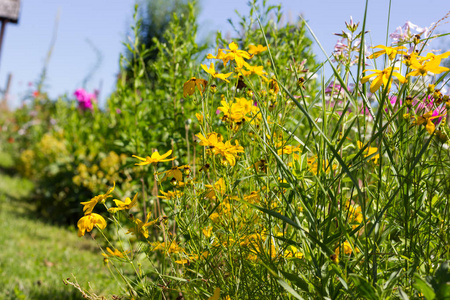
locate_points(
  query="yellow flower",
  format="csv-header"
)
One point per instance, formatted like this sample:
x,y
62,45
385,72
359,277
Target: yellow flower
x,y
141,227
313,165
87,223
89,205
355,216
190,85
199,117
127,204
347,249
211,140
233,53
220,55
115,253
174,172
219,187
430,63
229,151
155,158
370,151
207,231
391,52
427,117
382,78
214,74
170,195
235,112
288,149
293,252
254,197
214,217
255,50
258,70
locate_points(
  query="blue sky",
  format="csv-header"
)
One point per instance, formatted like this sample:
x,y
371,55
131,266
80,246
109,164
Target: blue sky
x,y
105,23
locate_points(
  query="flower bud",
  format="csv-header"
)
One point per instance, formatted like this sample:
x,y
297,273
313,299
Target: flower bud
x,y
447,105
300,82
408,101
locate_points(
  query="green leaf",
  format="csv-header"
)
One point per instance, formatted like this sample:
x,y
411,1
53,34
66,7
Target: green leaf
x,y
423,287
298,281
364,288
289,289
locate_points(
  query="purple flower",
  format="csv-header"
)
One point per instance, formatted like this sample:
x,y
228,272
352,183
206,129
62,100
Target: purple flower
x,y
118,111
85,100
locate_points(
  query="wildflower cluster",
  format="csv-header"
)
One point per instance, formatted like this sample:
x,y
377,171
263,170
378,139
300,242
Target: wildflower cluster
x,y
285,187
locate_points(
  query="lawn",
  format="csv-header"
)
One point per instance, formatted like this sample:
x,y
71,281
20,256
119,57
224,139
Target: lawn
x,y
36,257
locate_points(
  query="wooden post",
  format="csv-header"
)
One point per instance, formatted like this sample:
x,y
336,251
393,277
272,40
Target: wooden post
x,y
2,32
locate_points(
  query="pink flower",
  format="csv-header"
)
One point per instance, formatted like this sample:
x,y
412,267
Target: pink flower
x,y
404,33
85,100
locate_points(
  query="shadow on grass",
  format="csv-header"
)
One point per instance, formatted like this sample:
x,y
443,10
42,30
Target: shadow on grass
x,y
37,293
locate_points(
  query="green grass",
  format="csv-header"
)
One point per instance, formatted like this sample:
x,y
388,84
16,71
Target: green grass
x,y
35,257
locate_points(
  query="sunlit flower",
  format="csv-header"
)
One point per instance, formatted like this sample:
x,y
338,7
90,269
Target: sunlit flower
x,y
141,228
212,71
115,253
207,231
287,149
427,118
369,151
253,197
430,63
88,222
383,77
233,53
258,70
170,195
346,248
220,55
154,159
355,216
174,172
255,50
218,188
293,252
229,151
211,140
122,205
313,165
391,52
199,117
89,205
